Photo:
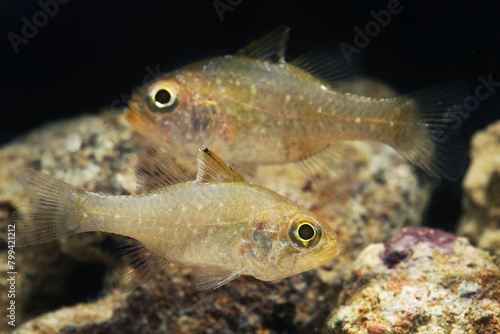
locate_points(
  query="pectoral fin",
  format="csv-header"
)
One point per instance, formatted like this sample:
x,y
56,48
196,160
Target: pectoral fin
x,y
212,278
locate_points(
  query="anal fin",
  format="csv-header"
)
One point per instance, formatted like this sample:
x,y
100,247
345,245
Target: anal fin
x,y
212,278
332,171
329,164
137,265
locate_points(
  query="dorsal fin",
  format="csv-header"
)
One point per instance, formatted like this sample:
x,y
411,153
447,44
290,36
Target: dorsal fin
x,y
271,47
212,169
155,169
326,64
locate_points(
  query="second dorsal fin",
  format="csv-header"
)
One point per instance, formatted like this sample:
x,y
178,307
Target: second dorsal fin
x,y
155,169
326,64
212,169
271,47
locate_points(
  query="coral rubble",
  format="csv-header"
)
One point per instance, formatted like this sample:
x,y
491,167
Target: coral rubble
x,y
421,281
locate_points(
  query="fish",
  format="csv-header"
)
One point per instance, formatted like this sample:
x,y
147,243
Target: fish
x,y
254,108
219,224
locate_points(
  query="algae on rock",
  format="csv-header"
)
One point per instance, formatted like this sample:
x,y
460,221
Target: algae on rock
x,y
421,281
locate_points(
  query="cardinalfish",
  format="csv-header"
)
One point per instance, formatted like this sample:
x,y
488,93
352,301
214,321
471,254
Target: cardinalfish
x,y
219,223
253,108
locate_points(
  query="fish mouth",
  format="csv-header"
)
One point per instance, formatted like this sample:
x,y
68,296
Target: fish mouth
x,y
331,253
139,121
328,254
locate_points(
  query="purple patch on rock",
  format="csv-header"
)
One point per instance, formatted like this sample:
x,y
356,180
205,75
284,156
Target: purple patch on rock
x,y
399,247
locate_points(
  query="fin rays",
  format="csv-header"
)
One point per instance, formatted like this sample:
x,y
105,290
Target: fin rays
x,y
137,265
54,213
271,47
155,169
325,64
212,278
431,142
212,169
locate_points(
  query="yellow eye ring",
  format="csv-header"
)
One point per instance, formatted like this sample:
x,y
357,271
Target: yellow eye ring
x,y
162,101
305,232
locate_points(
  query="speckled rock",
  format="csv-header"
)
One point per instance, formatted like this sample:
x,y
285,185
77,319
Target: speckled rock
x,y
381,195
421,281
481,219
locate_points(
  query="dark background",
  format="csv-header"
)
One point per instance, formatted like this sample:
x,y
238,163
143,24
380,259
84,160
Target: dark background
x,y
92,53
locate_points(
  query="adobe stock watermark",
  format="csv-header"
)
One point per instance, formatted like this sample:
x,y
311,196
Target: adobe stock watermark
x,y
11,275
30,28
221,7
470,104
372,29
122,101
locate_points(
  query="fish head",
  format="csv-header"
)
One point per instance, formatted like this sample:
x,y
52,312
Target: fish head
x,y
175,111
298,243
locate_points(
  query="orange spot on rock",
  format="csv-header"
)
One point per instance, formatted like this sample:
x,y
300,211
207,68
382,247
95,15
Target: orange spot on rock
x,y
376,327
395,284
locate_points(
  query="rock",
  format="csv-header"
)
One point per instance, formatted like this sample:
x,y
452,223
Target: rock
x,y
481,219
421,281
84,153
68,319
380,196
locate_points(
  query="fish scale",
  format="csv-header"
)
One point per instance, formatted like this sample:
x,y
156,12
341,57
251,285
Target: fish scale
x,y
257,109
219,224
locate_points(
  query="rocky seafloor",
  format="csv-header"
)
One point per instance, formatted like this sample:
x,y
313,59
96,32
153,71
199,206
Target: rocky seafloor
x,y
414,283
421,281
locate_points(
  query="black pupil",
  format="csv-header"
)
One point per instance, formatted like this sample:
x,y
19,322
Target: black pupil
x,y
162,96
306,232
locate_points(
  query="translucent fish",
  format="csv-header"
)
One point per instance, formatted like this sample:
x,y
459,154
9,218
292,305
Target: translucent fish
x,y
219,223
254,108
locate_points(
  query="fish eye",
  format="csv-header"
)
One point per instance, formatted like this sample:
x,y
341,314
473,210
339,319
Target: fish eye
x,y
162,98
305,232
162,101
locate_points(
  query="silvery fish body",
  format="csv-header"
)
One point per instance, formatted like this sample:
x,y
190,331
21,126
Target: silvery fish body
x,y
219,223
255,108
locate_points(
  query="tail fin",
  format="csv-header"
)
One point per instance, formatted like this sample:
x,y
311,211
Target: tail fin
x,y
432,142
54,212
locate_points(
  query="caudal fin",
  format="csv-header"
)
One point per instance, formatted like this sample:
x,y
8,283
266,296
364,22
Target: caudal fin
x,y
54,212
429,130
